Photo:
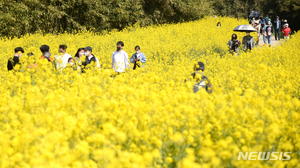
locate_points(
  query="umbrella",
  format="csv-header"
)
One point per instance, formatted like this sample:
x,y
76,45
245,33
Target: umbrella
x,y
244,28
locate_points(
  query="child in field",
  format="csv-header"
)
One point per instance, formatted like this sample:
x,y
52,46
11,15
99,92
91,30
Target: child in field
x,y
201,81
286,31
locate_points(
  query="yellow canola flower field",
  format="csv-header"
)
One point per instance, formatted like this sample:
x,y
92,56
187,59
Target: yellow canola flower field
x,y
150,117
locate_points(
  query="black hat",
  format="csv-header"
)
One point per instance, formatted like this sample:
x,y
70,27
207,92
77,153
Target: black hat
x,y
277,16
63,47
201,66
88,48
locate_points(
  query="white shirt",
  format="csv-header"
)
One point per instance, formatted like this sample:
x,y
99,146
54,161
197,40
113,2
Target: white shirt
x,y
137,55
120,61
62,60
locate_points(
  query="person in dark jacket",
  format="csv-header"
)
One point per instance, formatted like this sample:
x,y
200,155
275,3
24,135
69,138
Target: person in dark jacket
x,y
277,27
12,62
90,57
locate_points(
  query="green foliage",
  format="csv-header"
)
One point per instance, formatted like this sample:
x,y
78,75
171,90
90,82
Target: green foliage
x,y
19,17
28,16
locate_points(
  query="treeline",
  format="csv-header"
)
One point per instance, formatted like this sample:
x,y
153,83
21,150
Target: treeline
x,y
18,17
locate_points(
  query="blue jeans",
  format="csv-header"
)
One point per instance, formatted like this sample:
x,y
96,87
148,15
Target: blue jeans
x,y
277,34
269,38
265,39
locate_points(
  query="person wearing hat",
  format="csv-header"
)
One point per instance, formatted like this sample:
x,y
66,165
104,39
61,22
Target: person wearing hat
x,y
120,59
201,81
277,25
62,59
46,54
248,41
90,58
12,62
286,31
268,29
284,22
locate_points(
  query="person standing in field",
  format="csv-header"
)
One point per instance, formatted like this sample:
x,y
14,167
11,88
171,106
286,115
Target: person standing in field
x,y
286,31
277,24
248,42
234,44
62,59
120,59
46,54
90,58
78,57
15,61
269,32
201,81
138,58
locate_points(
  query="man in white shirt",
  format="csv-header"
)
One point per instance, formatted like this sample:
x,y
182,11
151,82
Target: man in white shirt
x,y
120,59
90,57
61,61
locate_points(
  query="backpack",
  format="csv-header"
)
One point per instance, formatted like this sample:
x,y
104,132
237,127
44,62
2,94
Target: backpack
x,y
269,32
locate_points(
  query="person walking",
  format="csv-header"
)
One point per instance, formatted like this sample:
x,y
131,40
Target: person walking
x,y
269,32
120,59
138,58
262,24
257,14
286,31
257,28
266,19
277,25
264,29
14,61
233,45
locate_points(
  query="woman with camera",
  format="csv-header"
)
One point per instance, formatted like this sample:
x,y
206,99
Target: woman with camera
x,y
234,44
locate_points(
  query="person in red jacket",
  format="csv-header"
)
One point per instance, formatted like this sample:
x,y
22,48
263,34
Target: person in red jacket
x,y
286,31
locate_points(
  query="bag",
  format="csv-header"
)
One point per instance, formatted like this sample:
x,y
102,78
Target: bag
x,y
269,32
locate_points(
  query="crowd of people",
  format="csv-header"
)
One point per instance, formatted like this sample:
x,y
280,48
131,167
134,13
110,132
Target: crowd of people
x,y
119,58
120,62
264,27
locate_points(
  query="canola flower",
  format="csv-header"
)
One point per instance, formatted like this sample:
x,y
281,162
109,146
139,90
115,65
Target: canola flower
x,y
150,117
